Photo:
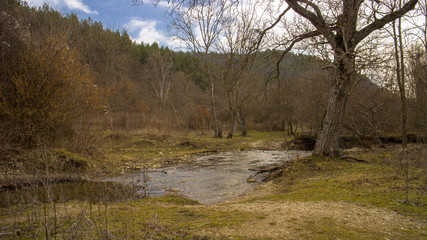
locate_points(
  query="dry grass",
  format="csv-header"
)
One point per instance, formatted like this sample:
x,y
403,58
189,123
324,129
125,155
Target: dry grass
x,y
320,220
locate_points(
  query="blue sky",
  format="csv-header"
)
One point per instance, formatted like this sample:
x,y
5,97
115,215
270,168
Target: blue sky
x,y
144,22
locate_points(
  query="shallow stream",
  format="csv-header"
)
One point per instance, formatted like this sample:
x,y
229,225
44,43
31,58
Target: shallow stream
x,y
208,179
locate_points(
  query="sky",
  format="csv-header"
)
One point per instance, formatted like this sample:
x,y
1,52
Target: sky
x,y
143,22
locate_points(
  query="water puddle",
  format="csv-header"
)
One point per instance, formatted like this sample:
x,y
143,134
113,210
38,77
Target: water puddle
x,y
209,179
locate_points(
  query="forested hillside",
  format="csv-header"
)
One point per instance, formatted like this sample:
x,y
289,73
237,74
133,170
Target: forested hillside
x,y
63,79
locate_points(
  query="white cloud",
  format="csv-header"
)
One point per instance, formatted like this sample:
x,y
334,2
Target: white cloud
x,y
78,4
70,4
176,44
164,4
145,31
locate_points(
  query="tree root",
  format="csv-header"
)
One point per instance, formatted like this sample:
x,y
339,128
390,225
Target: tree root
x,y
272,170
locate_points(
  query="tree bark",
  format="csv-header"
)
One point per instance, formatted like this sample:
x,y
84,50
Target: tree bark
x,y
217,127
235,116
400,76
290,128
327,142
242,122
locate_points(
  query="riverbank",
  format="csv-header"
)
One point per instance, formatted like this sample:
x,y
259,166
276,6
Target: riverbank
x,y
114,153
132,151
359,196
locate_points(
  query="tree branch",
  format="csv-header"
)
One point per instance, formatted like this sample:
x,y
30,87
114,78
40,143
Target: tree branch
x,y
299,38
363,33
316,19
270,27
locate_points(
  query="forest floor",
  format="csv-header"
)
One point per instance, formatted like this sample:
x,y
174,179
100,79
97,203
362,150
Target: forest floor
x,y
376,193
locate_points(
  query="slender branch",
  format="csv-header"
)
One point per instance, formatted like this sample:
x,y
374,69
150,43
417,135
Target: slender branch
x,y
289,48
270,27
377,24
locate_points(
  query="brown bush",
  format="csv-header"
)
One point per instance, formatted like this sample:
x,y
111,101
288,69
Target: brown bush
x,y
44,93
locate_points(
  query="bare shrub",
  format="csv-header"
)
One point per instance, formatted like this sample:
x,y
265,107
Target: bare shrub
x,y
44,94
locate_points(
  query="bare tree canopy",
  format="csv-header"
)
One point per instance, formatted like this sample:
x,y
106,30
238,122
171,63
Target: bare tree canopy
x,y
343,25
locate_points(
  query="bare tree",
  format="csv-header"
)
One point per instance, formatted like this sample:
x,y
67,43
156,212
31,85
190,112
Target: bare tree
x,y
199,24
419,73
159,67
400,72
419,63
407,36
239,52
342,25
420,23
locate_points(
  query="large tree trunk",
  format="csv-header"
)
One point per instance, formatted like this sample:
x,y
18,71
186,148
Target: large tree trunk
x,y
327,142
343,39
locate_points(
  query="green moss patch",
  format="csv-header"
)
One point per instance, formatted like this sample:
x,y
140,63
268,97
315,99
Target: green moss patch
x,y
375,181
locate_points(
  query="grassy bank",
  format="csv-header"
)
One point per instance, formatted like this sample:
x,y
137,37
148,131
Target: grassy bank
x,y
119,152
127,151
359,196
